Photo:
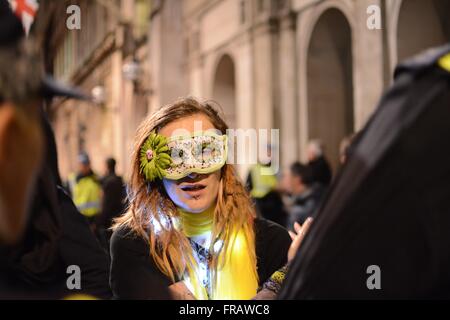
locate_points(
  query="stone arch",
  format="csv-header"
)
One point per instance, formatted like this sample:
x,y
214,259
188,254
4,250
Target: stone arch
x,y
329,78
224,88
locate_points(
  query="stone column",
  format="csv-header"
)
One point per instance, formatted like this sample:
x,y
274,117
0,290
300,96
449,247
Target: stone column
x,y
368,65
116,102
263,77
245,108
289,133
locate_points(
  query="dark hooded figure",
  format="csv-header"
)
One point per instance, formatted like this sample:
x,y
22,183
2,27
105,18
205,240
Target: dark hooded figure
x,y
57,239
383,231
113,202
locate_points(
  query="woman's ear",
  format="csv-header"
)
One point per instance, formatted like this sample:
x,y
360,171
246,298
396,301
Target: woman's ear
x,y
21,150
11,220
7,119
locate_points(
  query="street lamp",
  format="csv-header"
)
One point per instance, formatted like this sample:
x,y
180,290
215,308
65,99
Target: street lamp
x,y
131,70
98,94
134,72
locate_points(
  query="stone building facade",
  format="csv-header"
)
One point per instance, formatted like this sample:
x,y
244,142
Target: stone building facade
x,y
311,68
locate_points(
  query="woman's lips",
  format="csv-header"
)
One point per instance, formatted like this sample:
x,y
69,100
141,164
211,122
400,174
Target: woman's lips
x,y
194,189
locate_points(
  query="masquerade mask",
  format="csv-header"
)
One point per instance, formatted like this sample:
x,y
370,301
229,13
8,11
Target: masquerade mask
x,y
179,156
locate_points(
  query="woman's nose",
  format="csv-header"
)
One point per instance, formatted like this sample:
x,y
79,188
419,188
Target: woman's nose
x,y
193,175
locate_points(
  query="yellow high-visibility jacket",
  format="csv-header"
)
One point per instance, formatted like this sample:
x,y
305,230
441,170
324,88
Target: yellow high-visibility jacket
x,y
86,196
263,181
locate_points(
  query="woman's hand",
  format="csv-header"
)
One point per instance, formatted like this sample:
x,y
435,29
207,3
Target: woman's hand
x,y
179,291
297,237
273,284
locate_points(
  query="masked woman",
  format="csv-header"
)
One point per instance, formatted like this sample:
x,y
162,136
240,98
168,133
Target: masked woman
x,y
191,226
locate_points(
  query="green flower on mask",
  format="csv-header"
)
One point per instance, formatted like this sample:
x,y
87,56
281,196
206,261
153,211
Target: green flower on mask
x,y
154,157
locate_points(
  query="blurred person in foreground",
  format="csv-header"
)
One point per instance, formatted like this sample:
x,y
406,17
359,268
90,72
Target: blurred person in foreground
x,y
21,136
318,163
55,235
383,229
304,194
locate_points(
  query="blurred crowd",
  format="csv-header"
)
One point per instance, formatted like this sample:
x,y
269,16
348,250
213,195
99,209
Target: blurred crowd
x,y
100,199
296,193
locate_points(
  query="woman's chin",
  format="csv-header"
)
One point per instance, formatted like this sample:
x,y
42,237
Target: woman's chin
x,y
195,206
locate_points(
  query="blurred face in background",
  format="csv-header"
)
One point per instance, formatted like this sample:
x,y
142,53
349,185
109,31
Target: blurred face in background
x,y
21,151
83,168
196,192
292,184
314,150
287,181
110,167
311,152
